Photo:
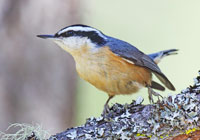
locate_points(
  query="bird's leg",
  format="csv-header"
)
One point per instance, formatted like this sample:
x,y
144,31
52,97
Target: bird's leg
x,y
106,107
152,92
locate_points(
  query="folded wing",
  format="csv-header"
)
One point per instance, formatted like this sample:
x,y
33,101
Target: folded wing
x,y
131,53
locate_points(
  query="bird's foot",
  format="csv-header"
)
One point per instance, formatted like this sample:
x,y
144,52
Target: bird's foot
x,y
106,107
105,110
152,92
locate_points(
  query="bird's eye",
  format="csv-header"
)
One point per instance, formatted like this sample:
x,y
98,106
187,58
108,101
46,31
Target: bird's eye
x,y
70,33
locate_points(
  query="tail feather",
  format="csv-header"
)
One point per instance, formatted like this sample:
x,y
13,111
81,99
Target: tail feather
x,y
165,81
159,55
157,86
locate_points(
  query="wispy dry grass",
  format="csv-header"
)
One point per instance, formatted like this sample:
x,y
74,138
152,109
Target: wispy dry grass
x,y
25,131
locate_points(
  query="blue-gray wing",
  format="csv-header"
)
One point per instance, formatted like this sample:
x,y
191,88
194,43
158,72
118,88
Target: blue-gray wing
x,y
131,53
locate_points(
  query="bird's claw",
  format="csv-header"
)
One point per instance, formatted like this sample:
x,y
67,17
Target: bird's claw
x,y
152,92
105,110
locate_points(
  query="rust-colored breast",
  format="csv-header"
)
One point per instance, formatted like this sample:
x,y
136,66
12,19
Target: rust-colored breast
x,y
109,72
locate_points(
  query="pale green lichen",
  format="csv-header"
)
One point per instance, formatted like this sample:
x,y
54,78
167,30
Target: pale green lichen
x,y
25,131
169,117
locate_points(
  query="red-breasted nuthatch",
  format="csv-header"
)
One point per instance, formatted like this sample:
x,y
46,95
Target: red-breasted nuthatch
x,y
110,64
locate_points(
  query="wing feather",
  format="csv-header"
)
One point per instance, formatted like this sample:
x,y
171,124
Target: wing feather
x,y
131,53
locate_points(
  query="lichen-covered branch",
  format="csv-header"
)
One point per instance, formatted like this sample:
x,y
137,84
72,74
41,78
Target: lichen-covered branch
x,y
173,117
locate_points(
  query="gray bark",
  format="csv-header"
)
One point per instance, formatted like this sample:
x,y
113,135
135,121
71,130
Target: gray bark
x,y
166,119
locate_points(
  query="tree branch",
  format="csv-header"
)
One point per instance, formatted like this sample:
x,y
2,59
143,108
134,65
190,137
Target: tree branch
x,y
174,117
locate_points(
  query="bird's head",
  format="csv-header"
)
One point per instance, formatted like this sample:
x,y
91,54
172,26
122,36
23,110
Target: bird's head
x,y
73,37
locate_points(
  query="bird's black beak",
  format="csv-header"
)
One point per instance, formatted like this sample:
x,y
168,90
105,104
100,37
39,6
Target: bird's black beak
x,y
46,36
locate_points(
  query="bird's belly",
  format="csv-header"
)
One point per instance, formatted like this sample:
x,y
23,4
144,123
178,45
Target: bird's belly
x,y
112,74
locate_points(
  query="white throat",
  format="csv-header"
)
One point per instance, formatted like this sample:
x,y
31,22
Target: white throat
x,y
74,43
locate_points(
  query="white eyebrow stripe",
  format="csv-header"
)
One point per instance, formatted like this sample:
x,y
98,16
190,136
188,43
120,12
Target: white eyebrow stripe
x,y
80,28
77,28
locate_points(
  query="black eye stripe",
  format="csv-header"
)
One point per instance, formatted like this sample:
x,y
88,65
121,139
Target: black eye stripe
x,y
92,35
69,33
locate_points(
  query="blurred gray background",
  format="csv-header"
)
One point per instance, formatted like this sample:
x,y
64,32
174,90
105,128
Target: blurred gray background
x,y
38,81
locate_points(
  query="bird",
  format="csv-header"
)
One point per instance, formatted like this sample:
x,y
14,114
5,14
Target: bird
x,y
110,64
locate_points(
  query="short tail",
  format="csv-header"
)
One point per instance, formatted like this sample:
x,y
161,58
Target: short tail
x,y
159,55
